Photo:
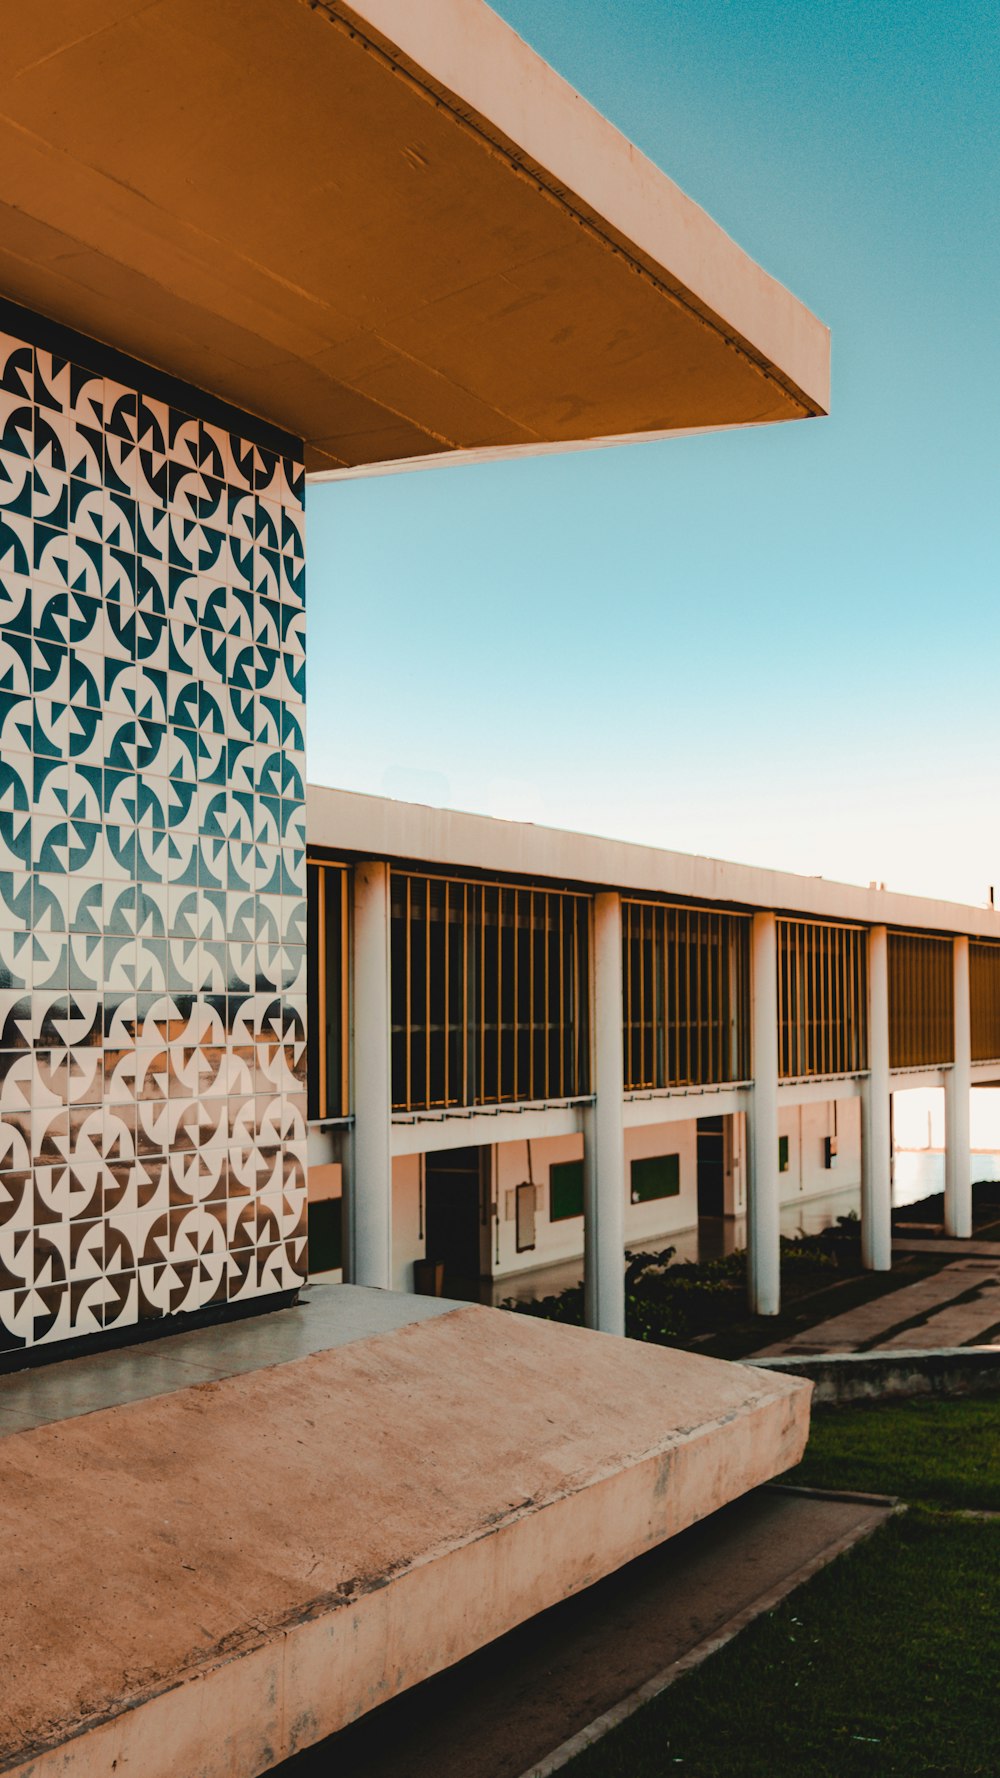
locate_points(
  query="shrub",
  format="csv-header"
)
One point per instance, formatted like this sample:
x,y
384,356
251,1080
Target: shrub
x,y
669,1301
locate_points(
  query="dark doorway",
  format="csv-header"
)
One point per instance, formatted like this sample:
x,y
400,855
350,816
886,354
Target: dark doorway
x,y
711,1167
453,1197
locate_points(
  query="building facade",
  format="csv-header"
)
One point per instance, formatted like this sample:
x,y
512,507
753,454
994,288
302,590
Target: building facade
x,y
193,320
574,1046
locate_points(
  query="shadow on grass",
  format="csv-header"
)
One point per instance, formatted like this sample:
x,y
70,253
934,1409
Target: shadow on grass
x,y
940,1453
884,1666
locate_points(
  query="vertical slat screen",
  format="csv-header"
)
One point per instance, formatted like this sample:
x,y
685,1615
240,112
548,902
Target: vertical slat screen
x,y
489,993
822,999
686,996
984,994
921,1001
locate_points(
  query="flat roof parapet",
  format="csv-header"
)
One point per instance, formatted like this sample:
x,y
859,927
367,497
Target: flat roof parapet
x,y
380,827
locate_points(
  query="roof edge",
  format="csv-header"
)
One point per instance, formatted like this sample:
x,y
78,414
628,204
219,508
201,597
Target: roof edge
x,y
355,821
464,54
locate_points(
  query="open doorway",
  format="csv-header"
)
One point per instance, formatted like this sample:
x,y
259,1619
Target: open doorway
x,y
456,1187
711,1167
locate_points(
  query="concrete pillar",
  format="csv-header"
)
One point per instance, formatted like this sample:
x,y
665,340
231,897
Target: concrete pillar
x,y
876,1174
763,1191
604,1132
368,1177
958,1088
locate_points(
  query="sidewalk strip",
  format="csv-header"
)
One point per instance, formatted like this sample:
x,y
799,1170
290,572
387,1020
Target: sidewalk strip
x,y
660,1682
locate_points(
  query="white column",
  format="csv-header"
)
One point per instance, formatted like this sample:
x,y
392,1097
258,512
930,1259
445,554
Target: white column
x,y
876,1175
958,1087
604,1139
368,1189
763,1192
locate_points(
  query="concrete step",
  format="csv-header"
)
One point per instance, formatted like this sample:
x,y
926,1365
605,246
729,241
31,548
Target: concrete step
x,y
562,1679
942,1244
207,1580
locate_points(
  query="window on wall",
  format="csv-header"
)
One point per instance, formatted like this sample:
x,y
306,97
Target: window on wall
x,y
524,1226
565,1190
782,1154
656,1176
490,993
326,889
326,1241
686,995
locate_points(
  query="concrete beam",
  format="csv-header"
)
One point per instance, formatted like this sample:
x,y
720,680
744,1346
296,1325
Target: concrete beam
x,y
478,1129
821,1091
985,1074
642,1110
903,1079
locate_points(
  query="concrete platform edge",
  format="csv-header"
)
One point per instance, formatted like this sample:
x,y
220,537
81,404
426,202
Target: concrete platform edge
x,y
843,1378
269,1698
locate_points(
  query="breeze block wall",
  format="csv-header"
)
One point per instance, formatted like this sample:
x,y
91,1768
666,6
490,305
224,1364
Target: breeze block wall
x,y
152,850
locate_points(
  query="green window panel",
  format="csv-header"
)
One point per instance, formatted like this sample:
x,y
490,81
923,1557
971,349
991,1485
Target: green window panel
x,y
657,1177
565,1190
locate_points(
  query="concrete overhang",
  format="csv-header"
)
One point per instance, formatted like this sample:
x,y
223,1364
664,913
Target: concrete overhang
x,y
389,229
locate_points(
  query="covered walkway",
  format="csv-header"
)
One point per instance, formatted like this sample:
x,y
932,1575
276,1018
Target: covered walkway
x,y
613,1043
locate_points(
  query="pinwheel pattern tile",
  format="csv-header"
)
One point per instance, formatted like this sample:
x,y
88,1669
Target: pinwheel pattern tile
x,y
152,858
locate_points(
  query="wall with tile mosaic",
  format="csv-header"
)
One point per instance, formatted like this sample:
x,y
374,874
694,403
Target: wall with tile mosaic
x,y
152,855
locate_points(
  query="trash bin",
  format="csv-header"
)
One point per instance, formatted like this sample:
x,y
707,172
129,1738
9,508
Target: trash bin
x,y
428,1277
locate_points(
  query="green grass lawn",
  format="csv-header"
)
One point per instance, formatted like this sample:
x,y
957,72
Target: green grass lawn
x,y
885,1664
942,1453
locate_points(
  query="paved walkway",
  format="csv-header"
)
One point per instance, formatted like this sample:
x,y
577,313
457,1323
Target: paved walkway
x,y
958,1306
980,1247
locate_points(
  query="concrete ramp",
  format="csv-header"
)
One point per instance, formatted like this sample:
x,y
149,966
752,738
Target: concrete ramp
x,y
208,1580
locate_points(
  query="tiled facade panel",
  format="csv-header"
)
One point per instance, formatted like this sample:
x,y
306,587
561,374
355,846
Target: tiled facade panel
x,y
152,858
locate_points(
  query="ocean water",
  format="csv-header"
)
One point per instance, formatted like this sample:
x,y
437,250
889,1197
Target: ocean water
x,y
918,1172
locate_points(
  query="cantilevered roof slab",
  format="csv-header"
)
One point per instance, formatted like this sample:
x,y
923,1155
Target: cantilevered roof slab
x,y
390,229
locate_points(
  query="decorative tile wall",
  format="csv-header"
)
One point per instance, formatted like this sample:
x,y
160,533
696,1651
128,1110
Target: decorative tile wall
x,y
152,858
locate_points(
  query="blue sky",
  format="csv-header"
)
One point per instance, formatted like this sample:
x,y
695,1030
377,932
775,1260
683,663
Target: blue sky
x,y
779,646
